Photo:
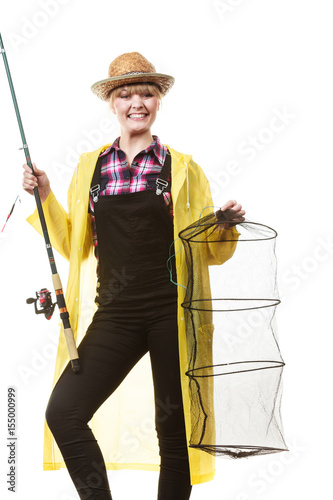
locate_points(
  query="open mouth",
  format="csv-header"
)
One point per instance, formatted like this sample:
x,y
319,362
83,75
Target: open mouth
x,y
137,116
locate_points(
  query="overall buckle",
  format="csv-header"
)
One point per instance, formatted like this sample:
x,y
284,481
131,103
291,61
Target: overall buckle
x,y
161,185
94,191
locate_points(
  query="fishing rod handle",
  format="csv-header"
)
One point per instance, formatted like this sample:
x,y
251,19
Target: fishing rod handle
x,y
68,332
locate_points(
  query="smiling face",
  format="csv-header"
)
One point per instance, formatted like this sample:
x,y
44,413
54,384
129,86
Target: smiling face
x,y
135,107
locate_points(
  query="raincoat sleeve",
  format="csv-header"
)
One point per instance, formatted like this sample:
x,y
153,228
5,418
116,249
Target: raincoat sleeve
x,y
59,222
218,254
215,254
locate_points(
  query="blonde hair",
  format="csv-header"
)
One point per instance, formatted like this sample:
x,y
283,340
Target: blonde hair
x,y
136,88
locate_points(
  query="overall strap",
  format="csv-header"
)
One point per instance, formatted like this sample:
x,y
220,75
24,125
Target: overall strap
x,y
96,181
161,182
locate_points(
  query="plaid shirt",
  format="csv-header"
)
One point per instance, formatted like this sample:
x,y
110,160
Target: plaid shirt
x,y
118,178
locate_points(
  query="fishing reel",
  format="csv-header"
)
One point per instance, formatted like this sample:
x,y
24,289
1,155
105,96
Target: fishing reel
x,y
44,300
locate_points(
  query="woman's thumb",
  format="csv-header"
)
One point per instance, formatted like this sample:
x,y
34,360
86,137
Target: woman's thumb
x,y
36,170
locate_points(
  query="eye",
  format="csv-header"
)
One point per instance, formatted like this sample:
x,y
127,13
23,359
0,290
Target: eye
x,y
124,96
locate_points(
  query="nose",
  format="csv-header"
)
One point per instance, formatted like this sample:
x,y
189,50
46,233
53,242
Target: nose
x,y
136,101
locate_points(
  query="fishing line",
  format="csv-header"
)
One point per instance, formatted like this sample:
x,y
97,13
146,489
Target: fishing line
x,y
11,211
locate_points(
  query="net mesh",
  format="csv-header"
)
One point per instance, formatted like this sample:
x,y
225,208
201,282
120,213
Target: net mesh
x,y
234,367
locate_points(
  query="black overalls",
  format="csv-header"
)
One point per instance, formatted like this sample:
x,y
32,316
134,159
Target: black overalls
x,y
137,313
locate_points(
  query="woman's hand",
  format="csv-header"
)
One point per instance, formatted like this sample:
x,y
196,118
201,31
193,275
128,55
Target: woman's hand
x,y
37,178
235,213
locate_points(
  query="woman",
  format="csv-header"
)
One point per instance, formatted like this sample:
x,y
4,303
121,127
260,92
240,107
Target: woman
x,y
128,201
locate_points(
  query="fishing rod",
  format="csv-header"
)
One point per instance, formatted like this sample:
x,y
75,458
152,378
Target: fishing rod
x,y
69,336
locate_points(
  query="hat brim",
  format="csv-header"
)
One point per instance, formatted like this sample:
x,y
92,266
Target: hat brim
x,y
102,88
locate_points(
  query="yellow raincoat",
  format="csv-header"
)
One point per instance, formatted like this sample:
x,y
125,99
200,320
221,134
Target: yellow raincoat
x,y
124,424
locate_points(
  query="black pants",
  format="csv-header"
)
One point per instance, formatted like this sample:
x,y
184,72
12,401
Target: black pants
x,y
113,344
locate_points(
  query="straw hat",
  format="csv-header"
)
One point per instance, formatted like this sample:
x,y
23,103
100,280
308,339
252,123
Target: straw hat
x,y
128,68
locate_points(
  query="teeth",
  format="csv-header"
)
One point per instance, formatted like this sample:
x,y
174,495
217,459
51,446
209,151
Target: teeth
x,y
137,115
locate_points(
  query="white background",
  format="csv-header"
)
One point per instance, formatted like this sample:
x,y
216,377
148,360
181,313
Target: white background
x,y
237,64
